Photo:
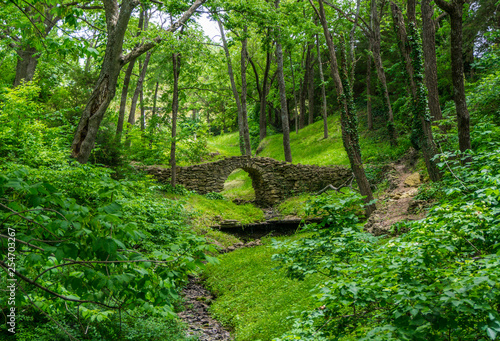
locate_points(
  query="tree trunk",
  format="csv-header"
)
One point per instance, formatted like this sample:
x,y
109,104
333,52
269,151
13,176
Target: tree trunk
x,y
233,87
143,113
455,10
310,83
369,115
377,58
282,91
352,40
138,88
404,47
104,91
302,102
422,130
263,99
323,90
176,59
26,65
348,115
123,101
243,119
430,64
294,95
117,18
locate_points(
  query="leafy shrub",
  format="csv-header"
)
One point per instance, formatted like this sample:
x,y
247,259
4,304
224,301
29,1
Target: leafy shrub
x,y
438,281
214,196
111,246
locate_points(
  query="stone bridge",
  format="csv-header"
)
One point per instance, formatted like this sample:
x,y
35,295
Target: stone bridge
x,y
272,180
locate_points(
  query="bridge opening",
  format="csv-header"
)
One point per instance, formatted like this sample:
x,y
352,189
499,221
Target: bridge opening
x,y
238,186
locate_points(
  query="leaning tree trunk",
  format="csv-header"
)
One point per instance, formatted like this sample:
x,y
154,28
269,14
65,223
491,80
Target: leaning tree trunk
x,y
348,116
117,18
99,100
243,120
430,64
455,10
126,83
233,87
377,58
323,90
26,65
282,91
175,108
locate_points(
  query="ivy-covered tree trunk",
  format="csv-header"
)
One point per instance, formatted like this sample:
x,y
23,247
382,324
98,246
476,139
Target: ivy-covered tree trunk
x,y
430,60
369,115
243,118
455,10
404,46
422,126
348,117
282,90
176,66
375,40
323,90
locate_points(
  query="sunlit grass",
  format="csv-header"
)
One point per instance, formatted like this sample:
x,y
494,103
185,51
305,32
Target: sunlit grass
x,y
254,298
309,147
239,185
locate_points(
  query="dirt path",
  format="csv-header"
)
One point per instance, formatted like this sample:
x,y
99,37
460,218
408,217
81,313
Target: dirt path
x,y
397,202
196,315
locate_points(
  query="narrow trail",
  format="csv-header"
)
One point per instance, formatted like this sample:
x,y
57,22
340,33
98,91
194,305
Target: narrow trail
x,y
397,203
196,315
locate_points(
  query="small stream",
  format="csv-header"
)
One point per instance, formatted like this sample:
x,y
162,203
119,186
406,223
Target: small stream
x,y
198,298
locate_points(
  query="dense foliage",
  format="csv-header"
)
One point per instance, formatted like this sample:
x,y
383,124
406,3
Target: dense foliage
x,y
439,280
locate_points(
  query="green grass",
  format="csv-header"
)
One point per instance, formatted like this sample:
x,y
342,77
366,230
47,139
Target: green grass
x,y
295,205
226,144
239,185
209,212
309,147
252,297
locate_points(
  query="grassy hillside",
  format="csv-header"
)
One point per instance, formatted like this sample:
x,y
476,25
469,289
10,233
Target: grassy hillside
x,y
308,147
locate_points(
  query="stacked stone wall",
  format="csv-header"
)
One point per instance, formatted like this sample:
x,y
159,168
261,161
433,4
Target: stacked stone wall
x,y
272,180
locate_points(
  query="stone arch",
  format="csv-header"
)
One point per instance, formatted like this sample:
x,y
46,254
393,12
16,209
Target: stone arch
x,y
272,180
255,172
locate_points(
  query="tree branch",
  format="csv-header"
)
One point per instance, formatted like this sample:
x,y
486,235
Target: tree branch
x,y
26,279
136,52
